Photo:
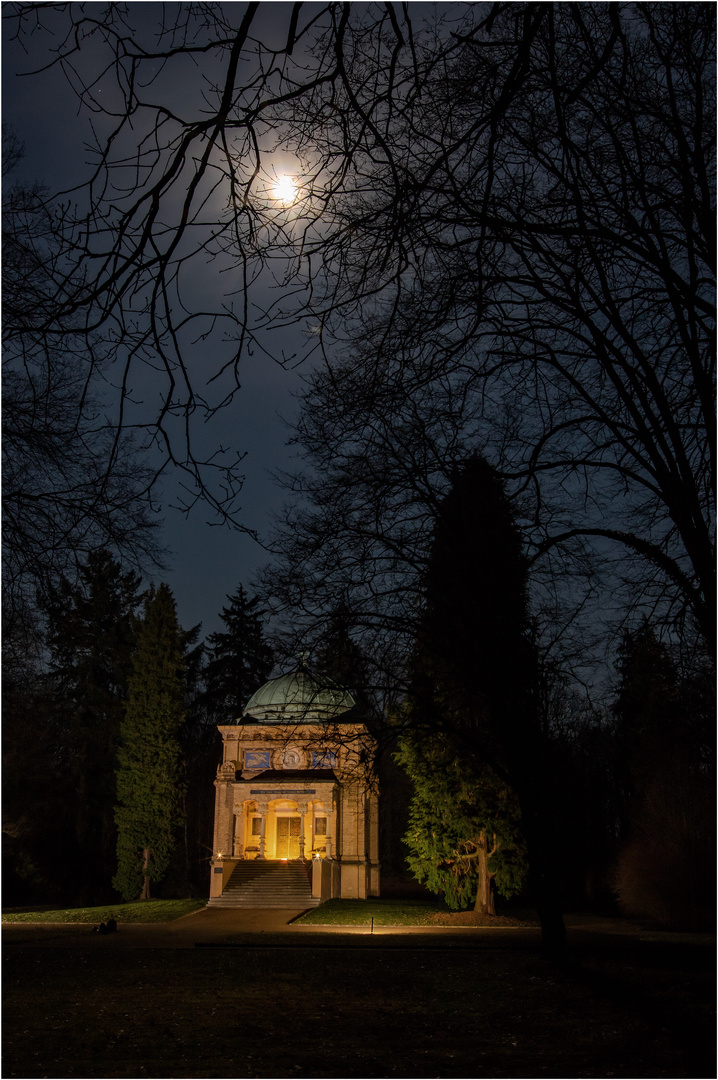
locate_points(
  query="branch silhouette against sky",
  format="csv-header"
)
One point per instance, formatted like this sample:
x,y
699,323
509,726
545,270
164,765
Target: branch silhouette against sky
x,y
501,242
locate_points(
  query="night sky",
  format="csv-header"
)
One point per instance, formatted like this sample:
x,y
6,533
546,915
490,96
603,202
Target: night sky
x,y
204,563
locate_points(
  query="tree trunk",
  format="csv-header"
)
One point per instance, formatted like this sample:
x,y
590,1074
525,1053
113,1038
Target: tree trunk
x,y
145,894
485,902
538,829
185,831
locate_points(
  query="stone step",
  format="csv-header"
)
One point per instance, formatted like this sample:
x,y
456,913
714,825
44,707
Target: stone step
x,y
260,905
259,867
268,892
271,880
298,874
260,899
267,884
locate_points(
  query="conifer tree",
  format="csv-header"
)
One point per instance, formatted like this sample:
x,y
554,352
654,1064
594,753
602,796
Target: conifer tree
x,y
91,632
148,813
200,752
239,658
476,672
464,836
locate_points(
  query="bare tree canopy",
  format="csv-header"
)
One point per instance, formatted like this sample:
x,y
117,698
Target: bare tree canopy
x,y
544,224
71,481
501,240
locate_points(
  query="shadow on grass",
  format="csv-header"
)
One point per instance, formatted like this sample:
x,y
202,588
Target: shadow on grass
x,y
621,1008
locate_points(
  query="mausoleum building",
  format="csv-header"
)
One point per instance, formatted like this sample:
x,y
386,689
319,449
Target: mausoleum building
x,y
297,785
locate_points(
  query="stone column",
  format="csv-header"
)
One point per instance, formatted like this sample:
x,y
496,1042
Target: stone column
x,y
328,839
224,806
302,814
262,811
373,811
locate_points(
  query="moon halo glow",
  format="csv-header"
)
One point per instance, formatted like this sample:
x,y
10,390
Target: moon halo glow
x,y
285,190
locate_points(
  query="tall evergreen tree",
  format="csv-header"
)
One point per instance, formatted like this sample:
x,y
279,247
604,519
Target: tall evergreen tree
x,y
464,834
38,864
240,659
476,672
201,752
91,634
199,745
149,777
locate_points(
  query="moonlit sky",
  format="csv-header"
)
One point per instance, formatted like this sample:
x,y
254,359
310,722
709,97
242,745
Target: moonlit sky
x,y
205,563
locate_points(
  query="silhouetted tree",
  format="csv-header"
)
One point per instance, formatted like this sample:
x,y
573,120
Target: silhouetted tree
x,y
586,798
666,863
149,806
70,484
342,661
502,240
91,637
476,668
38,856
340,658
234,663
240,659
198,760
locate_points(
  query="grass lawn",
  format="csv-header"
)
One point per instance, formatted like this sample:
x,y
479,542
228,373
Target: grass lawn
x,y
404,913
143,911
621,1009
383,912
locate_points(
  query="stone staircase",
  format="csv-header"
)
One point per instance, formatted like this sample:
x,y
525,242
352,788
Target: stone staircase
x,y
267,883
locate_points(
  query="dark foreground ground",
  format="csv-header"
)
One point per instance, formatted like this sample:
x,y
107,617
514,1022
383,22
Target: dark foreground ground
x,y
282,1005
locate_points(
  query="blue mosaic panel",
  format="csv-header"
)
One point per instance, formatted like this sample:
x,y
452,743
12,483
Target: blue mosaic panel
x,y
325,759
257,759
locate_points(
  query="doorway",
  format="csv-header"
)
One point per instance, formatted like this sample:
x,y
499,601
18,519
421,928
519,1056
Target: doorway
x,y
287,846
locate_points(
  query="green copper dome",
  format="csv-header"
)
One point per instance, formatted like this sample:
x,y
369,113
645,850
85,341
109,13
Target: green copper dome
x,y
297,696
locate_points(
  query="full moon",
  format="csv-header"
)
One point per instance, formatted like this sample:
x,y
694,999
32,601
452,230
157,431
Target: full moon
x,y
285,190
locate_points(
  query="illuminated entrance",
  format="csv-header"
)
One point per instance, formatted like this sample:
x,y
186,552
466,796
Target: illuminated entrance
x,y
297,783
287,845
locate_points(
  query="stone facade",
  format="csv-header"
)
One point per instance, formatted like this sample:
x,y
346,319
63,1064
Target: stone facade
x,y
296,782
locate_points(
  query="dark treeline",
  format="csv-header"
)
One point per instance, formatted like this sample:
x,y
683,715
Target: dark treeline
x,y
620,799
517,780
92,724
